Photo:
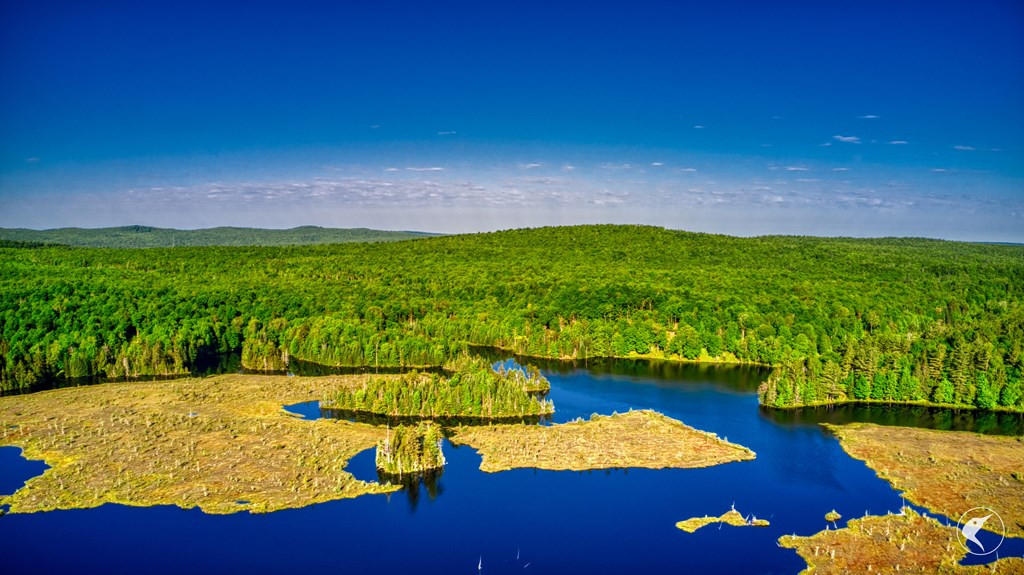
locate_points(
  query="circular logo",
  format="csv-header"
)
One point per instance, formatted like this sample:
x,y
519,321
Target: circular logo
x,y
980,531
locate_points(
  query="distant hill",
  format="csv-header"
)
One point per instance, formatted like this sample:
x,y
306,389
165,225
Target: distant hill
x,y
149,237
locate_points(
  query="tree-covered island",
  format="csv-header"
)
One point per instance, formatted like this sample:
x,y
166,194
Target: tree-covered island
x,y
473,390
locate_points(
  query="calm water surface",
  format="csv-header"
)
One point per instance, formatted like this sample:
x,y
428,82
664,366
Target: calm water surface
x,y
526,520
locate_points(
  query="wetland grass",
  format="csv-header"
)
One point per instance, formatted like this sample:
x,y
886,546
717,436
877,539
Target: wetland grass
x,y
641,438
904,542
223,444
949,472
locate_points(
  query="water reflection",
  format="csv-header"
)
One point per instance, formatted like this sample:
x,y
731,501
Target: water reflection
x,y
205,365
741,378
414,484
313,410
987,422
217,364
744,380
309,368
445,422
364,468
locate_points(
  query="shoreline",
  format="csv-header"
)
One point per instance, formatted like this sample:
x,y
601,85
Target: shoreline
x,y
886,402
362,369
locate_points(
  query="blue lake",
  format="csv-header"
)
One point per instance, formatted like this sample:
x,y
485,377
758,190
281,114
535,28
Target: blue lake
x,y
525,520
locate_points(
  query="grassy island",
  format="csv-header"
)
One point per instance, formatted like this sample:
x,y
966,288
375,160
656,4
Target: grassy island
x,y
731,517
410,450
473,390
897,543
948,472
223,444
634,439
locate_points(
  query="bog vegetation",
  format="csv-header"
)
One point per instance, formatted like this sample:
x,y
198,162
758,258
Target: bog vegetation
x,y
840,319
896,543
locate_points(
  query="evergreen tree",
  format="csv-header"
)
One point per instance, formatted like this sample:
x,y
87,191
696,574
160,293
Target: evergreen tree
x,y
986,397
943,392
861,387
1011,394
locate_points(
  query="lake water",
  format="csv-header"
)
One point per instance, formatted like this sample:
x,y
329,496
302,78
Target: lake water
x,y
525,520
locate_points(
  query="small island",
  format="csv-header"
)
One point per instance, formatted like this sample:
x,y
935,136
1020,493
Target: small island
x,y
409,450
730,517
640,438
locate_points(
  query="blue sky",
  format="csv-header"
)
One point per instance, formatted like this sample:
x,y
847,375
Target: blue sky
x,y
837,118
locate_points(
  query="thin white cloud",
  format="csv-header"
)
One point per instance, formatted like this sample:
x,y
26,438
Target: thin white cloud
x,y
797,169
840,169
657,164
940,170
698,127
899,142
847,139
529,166
870,117
430,169
448,133
963,148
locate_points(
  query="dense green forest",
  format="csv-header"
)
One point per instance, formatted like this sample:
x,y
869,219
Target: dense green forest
x,y
840,319
473,390
148,237
410,449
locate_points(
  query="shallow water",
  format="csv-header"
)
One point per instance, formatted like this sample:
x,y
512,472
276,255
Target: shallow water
x,y
522,520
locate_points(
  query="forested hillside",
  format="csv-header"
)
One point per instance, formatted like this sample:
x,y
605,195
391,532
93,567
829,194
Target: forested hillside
x,y
148,237
841,319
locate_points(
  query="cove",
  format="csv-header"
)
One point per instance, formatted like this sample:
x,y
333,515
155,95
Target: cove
x,y
521,520
15,470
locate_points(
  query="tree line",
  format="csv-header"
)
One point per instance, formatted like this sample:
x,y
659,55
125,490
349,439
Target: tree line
x,y
839,319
